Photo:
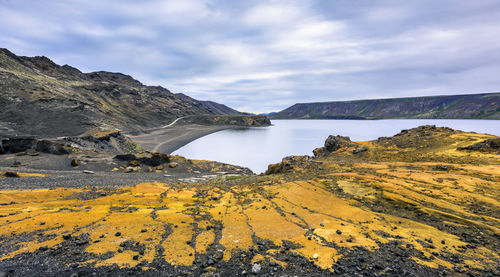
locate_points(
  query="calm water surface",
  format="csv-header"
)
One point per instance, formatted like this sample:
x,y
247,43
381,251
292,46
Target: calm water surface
x,y
255,148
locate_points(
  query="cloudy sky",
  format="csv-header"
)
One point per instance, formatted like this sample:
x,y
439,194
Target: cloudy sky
x,y
261,56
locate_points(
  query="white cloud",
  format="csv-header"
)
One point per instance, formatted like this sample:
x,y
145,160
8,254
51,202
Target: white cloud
x,y
264,55
274,13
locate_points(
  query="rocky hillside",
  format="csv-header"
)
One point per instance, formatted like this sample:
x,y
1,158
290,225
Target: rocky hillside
x,y
39,97
472,106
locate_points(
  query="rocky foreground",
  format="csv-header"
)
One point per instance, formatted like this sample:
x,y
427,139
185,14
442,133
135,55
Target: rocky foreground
x,y
422,203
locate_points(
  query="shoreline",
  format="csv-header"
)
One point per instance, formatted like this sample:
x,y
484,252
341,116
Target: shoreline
x,y
169,139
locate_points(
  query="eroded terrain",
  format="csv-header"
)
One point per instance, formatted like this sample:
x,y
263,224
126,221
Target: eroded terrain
x,y
408,205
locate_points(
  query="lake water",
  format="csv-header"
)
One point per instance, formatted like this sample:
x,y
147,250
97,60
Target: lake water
x,y
255,148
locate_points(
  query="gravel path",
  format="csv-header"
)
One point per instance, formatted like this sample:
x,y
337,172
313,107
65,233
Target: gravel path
x,y
78,179
172,137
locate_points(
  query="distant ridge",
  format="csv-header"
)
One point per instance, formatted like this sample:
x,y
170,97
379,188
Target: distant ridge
x,y
467,106
39,97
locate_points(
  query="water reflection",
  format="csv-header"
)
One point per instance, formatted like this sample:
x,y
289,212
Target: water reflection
x,y
255,148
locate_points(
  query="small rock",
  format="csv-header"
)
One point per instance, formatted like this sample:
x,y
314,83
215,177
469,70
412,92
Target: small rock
x,y
117,234
173,165
219,254
43,248
359,150
166,175
322,225
129,169
339,232
144,230
256,268
133,163
315,256
88,172
74,162
135,257
11,174
66,236
210,261
443,242
210,269
42,223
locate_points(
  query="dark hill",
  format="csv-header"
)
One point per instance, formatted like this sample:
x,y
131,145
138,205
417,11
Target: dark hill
x,y
39,97
471,106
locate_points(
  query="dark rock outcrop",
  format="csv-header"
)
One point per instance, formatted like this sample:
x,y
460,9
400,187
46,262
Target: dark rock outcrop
x,y
289,163
332,143
112,141
233,120
146,158
417,137
489,145
16,145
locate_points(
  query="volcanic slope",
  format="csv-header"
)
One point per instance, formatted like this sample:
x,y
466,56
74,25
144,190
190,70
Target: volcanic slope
x,y
39,97
422,203
468,106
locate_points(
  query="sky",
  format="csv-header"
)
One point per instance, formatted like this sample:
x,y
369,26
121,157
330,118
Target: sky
x,y
262,56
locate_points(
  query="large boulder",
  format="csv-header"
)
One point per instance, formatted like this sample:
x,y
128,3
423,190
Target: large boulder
x,y
333,143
